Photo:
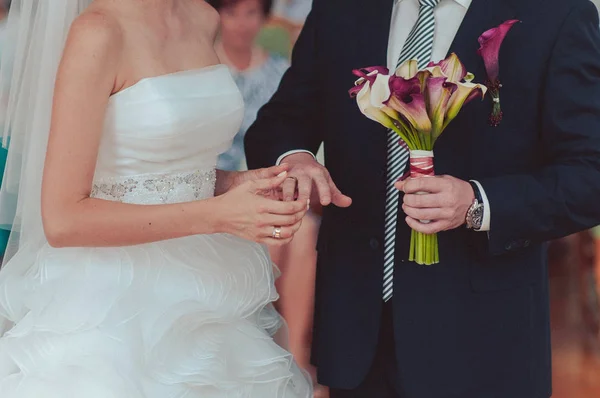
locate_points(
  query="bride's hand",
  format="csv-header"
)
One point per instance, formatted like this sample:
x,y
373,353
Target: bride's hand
x,y
232,179
248,212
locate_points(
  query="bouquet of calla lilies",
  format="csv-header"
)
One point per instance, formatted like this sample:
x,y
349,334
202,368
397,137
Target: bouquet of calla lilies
x,y
418,105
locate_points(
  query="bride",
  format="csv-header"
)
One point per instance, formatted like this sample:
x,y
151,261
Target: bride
x,y
136,269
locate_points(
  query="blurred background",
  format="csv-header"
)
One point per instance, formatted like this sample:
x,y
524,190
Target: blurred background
x,y
256,42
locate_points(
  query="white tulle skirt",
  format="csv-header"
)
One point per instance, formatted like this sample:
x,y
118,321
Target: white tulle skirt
x,y
189,317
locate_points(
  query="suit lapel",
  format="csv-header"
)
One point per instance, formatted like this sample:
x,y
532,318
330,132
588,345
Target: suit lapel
x,y
481,16
460,138
368,46
372,31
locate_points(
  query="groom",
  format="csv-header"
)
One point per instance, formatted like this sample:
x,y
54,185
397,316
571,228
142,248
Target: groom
x,y
476,325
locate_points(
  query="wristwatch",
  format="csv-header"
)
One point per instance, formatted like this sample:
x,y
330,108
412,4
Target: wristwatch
x,y
475,213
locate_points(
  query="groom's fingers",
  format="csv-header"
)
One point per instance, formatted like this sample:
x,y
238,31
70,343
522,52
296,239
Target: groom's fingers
x,y
424,201
427,214
289,189
304,188
424,184
323,188
339,199
431,228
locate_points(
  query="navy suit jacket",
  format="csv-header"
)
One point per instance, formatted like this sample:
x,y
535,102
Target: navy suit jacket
x,y
476,325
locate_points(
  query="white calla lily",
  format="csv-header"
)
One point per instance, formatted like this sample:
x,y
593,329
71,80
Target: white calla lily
x,y
408,69
380,91
365,104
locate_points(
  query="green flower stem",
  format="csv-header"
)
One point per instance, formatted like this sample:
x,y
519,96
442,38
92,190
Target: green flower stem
x,y
411,252
420,247
426,248
415,137
408,133
406,128
404,137
423,249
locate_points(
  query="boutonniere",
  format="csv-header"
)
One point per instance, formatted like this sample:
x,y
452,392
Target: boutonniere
x,y
490,42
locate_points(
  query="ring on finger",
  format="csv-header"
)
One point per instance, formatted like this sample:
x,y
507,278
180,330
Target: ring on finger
x,y
276,233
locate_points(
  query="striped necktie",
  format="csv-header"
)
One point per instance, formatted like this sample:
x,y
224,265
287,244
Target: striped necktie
x,y
419,46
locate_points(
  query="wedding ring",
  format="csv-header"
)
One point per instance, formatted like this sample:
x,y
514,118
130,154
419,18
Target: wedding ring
x,y
276,233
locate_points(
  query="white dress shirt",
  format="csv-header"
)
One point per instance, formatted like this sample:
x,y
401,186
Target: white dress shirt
x,y
449,15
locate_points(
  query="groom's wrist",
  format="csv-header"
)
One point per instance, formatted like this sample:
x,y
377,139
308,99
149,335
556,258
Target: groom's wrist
x,y
224,181
292,152
485,224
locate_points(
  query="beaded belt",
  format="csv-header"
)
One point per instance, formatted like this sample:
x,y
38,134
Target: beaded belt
x,y
156,188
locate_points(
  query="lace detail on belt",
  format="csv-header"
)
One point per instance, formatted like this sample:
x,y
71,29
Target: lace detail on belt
x,y
156,188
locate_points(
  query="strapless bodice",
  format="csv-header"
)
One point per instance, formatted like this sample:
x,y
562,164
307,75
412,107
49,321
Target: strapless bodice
x,y
162,137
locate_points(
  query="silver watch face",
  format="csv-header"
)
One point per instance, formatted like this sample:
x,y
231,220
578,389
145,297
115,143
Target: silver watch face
x,y
477,216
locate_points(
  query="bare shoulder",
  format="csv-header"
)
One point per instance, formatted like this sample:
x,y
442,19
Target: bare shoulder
x,y
206,18
96,34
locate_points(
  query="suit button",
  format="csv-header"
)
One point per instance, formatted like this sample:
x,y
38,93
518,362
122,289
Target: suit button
x,y
526,243
510,246
374,243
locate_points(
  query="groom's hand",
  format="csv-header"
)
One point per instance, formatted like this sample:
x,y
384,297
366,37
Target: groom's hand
x,y
305,172
444,200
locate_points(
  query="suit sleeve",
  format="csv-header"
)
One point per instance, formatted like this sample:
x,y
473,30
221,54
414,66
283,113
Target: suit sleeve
x,y
563,196
289,121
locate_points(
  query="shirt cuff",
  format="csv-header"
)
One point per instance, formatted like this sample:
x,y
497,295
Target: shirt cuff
x,y
485,225
288,153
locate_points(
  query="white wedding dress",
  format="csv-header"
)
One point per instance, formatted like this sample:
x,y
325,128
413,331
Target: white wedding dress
x,y
183,318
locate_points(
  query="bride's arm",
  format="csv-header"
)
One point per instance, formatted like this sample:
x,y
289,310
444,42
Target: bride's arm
x,y
85,81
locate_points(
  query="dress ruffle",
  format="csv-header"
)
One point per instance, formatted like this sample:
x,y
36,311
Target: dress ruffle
x,y
189,317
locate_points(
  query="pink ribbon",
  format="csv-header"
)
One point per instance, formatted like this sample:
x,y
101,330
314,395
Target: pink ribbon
x,y
421,167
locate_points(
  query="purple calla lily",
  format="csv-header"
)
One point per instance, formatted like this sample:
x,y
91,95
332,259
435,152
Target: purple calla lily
x,y
368,74
438,92
363,99
355,90
451,67
408,100
368,71
465,93
490,43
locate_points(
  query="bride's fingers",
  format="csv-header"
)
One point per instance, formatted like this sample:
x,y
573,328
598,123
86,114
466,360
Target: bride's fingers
x,y
266,184
271,172
296,227
274,194
282,208
282,220
276,242
281,233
